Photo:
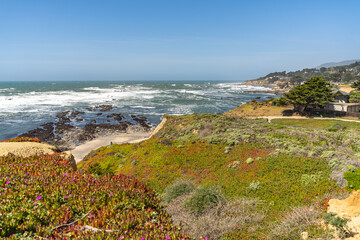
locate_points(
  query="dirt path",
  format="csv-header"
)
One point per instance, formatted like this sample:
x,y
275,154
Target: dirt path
x,y
301,117
81,151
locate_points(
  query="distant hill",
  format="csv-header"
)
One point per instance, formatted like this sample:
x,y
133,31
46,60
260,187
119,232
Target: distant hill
x,y
344,74
337,64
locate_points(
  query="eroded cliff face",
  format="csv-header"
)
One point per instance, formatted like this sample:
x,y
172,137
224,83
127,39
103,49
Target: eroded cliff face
x,y
348,208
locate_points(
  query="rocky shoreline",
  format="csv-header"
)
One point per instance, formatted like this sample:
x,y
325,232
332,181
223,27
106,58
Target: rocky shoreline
x,y
66,133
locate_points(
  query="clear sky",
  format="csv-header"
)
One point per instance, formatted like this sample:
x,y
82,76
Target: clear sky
x,y
172,39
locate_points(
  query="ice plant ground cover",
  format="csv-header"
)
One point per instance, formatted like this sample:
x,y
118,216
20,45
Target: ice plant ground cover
x,y
279,181
41,196
22,139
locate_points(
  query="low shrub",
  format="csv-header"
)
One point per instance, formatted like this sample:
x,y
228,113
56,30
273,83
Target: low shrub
x,y
203,198
254,186
234,164
307,179
353,179
339,223
249,160
176,190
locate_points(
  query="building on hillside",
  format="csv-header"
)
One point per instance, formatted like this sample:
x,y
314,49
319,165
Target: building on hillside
x,y
340,96
341,104
343,107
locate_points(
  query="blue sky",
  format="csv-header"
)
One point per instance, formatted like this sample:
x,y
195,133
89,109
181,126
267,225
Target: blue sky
x,y
172,39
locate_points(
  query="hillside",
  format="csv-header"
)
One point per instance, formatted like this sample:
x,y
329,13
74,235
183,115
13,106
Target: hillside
x,y
337,64
284,171
284,80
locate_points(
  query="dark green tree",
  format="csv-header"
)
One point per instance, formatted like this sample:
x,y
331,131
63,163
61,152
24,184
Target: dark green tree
x,y
315,91
297,79
356,85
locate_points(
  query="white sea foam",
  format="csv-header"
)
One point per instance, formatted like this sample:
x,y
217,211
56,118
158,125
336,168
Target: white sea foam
x,y
6,89
41,101
241,87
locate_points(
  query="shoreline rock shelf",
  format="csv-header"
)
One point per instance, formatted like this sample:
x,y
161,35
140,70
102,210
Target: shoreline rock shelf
x,y
72,128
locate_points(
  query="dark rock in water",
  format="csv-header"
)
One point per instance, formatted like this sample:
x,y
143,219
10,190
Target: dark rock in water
x,y
60,128
98,114
142,121
257,97
101,108
62,114
75,114
45,132
117,116
91,130
66,136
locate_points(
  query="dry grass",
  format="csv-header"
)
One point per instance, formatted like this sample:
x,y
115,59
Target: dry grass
x,y
216,221
256,109
295,222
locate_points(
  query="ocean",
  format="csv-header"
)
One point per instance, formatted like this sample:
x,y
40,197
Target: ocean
x,y
27,105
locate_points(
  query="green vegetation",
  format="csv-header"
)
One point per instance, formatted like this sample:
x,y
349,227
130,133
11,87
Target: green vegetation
x,y
218,177
281,101
42,197
314,92
22,139
353,177
345,74
291,169
318,124
338,222
257,109
354,97
203,198
176,190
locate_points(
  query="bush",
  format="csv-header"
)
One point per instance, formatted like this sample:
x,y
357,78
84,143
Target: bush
x,y
254,186
203,198
353,179
338,222
176,190
307,179
249,160
351,168
234,164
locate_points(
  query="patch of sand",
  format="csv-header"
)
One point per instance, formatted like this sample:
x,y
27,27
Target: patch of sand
x,y
25,149
82,150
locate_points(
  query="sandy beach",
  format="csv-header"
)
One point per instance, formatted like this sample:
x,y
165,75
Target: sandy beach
x,y
82,150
